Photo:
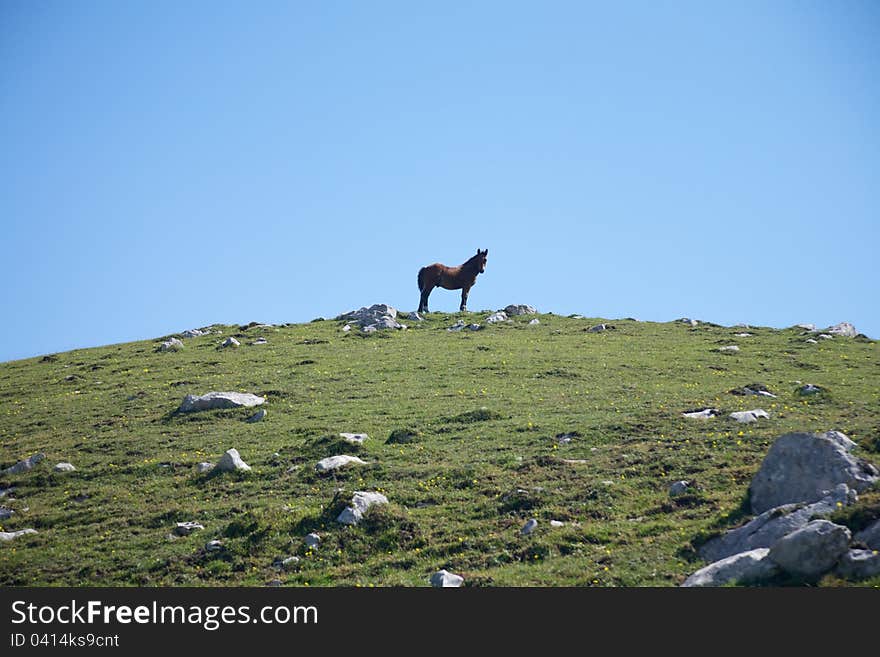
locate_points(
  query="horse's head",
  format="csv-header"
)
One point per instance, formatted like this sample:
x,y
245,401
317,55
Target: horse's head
x,y
481,259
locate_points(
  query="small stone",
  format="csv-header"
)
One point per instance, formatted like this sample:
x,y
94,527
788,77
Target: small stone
x,y
23,466
811,341
204,467
809,389
445,579
743,335
346,328
557,523
679,488
260,341
257,417
747,417
230,342
64,467
529,527
361,501
457,326
732,348
825,336
194,333
414,316
806,327
231,462
8,536
187,528
171,345
598,328
213,546
474,327
335,462
688,321
289,562
354,438
702,414
273,582
312,540
534,322
497,317
5,514
213,400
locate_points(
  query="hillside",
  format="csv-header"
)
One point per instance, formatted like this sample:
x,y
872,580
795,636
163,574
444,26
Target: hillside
x,y
488,429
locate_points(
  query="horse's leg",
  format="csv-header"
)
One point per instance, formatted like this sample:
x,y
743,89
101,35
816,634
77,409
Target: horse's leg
x,y
464,296
423,301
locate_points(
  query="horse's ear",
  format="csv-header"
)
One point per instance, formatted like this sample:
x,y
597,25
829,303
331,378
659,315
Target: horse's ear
x,y
478,250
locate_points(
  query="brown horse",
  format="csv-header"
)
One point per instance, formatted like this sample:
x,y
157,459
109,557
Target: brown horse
x,y
461,278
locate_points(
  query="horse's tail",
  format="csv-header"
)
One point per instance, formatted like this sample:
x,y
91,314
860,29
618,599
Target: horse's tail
x,y
419,278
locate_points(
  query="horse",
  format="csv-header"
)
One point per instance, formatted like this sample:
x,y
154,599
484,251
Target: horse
x,y
461,278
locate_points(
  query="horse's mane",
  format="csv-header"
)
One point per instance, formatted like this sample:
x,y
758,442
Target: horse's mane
x,y
471,261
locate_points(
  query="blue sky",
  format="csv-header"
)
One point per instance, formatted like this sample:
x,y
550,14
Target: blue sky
x,y
167,165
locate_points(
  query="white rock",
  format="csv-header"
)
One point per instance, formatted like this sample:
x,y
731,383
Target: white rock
x,y
806,327
679,488
495,318
557,523
171,345
841,439
354,438
360,502
812,550
379,316
257,417
702,414
231,462
414,316
312,540
213,546
457,326
844,329
187,528
289,562
474,327
64,467
529,527
23,466
194,333
519,309
688,321
729,348
5,514
534,322
445,579
204,467
335,462
8,536
212,400
346,328
597,328
811,341
809,389
260,341
743,568
825,336
747,417
230,342
743,335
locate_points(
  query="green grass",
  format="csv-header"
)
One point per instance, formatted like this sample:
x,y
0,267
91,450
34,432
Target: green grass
x,y
462,441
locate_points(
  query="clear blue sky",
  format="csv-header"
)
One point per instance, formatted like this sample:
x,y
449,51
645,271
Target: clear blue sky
x,y
166,165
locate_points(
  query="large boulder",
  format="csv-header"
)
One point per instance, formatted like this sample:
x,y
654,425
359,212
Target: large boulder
x,y
801,467
812,550
844,328
764,530
212,400
520,309
743,568
377,317
445,579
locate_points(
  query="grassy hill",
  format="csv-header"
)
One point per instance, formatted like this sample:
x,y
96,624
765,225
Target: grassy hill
x,y
483,411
